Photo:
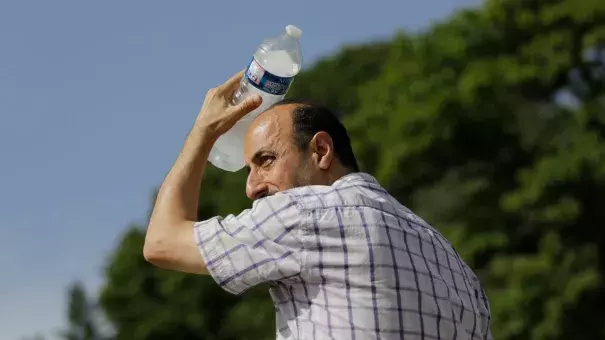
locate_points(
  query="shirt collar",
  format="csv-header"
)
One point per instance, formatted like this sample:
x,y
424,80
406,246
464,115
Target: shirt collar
x,y
355,178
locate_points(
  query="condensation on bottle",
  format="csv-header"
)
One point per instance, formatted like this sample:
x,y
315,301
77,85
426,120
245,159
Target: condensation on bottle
x,y
269,74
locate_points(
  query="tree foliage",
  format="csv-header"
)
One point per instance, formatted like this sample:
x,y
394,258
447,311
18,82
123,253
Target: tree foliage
x,y
490,125
81,315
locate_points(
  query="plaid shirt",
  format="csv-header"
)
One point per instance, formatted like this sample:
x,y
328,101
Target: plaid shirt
x,y
347,261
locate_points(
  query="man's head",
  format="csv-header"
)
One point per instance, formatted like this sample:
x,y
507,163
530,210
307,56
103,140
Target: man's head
x,y
296,143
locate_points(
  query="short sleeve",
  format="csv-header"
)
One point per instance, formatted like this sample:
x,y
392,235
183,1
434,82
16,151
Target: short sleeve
x,y
259,245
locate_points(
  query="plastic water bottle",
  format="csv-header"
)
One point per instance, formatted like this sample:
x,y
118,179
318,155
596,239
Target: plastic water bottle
x,y
270,73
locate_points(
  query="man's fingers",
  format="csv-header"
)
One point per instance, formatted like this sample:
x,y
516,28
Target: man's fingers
x,y
247,106
232,84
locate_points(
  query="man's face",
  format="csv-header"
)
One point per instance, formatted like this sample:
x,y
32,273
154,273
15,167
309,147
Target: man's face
x,y
274,162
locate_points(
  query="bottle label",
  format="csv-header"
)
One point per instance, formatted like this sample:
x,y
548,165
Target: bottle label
x,y
267,81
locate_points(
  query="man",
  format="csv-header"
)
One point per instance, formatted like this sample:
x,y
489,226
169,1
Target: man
x,y
343,258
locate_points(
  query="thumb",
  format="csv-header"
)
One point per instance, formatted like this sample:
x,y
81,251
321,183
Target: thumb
x,y
247,106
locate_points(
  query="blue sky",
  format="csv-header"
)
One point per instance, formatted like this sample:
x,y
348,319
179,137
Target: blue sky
x,y
95,101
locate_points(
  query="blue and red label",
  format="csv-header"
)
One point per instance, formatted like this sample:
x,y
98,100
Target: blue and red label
x,y
267,81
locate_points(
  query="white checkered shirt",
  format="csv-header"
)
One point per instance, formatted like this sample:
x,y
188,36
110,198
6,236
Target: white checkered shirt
x,y
347,261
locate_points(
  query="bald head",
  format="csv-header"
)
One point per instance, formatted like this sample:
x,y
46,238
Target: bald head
x,y
286,147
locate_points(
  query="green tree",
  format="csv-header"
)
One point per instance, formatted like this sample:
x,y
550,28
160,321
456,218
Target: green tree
x,y
81,316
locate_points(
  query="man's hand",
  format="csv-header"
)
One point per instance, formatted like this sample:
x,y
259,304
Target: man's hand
x,y
170,242
217,115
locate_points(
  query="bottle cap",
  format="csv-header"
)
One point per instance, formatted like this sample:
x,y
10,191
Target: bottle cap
x,y
293,31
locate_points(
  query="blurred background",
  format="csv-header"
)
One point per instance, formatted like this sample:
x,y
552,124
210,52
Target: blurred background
x,y
486,118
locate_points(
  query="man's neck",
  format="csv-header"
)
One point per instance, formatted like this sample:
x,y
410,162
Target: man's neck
x,y
337,173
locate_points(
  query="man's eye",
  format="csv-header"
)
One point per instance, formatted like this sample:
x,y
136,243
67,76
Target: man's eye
x,y
266,160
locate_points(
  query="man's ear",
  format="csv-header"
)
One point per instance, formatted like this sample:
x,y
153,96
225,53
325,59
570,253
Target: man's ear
x,y
323,150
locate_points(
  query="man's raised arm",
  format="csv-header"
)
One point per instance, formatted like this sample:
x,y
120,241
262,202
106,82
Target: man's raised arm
x,y
169,242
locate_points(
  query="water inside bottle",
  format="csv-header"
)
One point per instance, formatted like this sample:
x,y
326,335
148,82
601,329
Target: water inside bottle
x,y
279,62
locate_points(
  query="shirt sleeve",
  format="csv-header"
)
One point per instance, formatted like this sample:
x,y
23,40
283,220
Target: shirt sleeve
x,y
259,245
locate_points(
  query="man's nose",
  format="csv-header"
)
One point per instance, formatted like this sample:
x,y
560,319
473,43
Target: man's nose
x,y
255,187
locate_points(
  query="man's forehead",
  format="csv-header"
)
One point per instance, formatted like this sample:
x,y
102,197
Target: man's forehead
x,y
275,123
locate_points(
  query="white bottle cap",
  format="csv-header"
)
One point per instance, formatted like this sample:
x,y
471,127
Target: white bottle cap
x,y
293,31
